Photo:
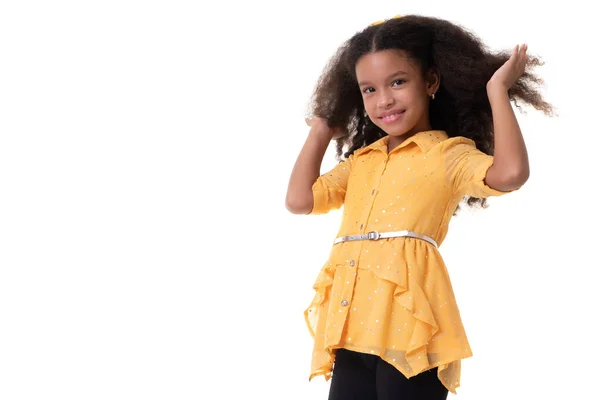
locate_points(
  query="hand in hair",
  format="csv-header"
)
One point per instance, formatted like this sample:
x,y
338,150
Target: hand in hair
x,y
511,70
320,125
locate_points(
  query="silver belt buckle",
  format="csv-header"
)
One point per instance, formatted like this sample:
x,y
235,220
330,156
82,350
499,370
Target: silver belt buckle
x,y
373,235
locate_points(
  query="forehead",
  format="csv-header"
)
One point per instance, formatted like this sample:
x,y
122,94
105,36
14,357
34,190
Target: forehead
x,y
381,64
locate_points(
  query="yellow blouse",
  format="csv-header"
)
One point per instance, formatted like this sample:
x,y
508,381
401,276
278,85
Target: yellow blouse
x,y
393,297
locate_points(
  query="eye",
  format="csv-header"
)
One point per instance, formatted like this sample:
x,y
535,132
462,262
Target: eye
x,y
399,80
366,90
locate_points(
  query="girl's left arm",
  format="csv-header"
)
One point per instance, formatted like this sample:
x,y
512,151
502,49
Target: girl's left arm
x,y
510,169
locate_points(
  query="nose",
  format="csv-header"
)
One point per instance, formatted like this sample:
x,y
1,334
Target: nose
x,y
385,99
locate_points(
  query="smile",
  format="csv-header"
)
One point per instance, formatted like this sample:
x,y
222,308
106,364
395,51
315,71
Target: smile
x,y
393,117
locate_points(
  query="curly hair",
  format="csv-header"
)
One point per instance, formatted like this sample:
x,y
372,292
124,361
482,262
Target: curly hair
x,y
461,106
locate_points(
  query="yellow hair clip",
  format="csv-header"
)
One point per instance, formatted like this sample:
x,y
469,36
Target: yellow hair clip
x,y
383,20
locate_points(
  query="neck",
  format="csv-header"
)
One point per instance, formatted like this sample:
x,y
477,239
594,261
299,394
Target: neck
x,y
395,141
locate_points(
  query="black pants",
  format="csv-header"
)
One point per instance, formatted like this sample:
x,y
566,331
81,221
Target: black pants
x,y
358,376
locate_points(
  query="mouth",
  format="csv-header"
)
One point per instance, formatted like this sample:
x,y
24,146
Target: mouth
x,y
392,116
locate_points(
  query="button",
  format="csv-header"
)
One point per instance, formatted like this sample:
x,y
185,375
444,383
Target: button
x,y
352,263
361,226
344,303
373,191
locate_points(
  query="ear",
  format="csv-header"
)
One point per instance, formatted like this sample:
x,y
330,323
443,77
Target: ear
x,y
433,80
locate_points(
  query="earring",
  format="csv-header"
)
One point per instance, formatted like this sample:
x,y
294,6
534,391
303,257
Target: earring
x,y
432,96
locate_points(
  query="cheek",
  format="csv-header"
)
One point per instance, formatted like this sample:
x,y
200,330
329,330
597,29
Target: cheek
x,y
416,100
371,108
423,103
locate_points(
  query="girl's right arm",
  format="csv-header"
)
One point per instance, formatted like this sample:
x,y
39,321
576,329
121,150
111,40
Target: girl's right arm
x,y
307,169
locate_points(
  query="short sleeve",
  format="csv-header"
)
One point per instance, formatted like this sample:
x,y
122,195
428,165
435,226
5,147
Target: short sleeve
x,y
466,168
329,190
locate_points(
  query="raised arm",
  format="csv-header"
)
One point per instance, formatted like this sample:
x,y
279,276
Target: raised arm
x,y
307,169
510,169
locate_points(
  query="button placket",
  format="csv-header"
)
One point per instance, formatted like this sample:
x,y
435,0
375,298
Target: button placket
x,y
346,292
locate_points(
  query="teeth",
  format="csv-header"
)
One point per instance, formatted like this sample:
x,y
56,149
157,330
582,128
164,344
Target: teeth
x,y
391,116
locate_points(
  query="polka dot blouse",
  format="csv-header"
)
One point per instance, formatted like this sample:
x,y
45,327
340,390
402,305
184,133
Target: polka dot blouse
x,y
393,297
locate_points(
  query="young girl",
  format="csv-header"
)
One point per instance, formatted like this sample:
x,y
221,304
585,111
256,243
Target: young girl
x,y
421,106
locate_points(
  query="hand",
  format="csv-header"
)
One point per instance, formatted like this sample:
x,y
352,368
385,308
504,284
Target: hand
x,y
511,71
318,124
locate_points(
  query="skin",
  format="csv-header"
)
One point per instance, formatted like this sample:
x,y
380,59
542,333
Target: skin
x,y
389,80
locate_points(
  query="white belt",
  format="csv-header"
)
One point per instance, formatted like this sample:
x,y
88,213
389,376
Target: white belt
x,y
374,235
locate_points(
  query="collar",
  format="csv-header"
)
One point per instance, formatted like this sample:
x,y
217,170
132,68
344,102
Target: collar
x,y
425,140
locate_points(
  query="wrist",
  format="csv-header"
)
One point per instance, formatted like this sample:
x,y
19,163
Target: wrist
x,y
322,134
495,87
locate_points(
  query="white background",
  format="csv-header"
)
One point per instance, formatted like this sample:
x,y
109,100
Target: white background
x,y
145,250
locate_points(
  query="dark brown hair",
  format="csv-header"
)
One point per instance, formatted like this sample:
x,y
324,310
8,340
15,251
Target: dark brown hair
x,y
461,106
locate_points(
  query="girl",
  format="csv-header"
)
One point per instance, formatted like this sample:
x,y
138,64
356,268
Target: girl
x,y
420,106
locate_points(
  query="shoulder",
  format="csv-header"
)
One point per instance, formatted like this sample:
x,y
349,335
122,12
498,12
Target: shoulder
x,y
457,145
458,141
358,153
361,152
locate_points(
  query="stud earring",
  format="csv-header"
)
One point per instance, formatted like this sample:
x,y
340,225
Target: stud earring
x,y
432,96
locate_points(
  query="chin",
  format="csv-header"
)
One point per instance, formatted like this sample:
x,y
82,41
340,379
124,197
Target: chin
x,y
395,131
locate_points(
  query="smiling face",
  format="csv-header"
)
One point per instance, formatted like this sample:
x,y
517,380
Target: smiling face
x,y
395,94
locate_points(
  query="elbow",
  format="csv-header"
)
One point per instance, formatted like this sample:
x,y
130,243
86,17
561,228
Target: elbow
x,y
506,180
524,177
515,179
298,205
519,177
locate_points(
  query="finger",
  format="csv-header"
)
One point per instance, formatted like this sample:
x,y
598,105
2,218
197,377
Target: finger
x,y
523,55
522,50
515,54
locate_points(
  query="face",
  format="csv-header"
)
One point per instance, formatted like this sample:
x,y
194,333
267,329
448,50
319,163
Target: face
x,y
395,94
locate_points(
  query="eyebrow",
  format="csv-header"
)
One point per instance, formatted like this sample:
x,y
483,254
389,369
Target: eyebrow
x,y
389,77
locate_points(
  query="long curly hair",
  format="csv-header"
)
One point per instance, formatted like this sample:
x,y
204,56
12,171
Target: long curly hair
x,y
461,106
